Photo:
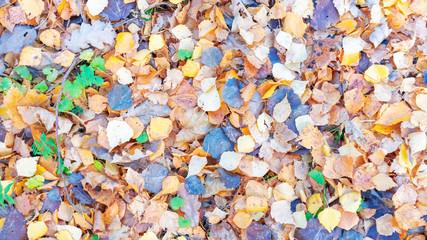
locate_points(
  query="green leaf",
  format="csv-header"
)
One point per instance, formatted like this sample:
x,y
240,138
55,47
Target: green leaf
x,y
308,215
35,182
23,72
94,237
87,77
5,84
77,110
51,73
42,87
44,147
98,63
7,197
142,138
184,54
183,223
86,55
2,199
360,206
74,89
177,202
65,105
317,176
98,165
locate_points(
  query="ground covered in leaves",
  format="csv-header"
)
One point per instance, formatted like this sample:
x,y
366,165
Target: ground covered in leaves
x,y
203,119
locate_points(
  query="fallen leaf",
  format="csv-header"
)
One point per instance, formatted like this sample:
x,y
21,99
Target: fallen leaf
x,y
27,167
36,230
118,132
125,42
329,218
159,128
30,56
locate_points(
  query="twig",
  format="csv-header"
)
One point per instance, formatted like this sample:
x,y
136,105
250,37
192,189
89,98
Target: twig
x,y
81,12
58,101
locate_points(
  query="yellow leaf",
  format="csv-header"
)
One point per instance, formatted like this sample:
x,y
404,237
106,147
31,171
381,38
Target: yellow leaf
x,y
86,156
329,218
376,74
36,230
384,129
63,235
314,203
2,223
30,56
51,38
395,113
256,204
190,69
15,98
65,58
350,58
350,202
169,185
160,128
156,42
124,42
32,8
294,25
347,25
176,1
242,219
149,235
405,158
245,144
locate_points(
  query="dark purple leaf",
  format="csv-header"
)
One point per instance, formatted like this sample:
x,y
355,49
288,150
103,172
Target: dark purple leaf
x,y
82,195
75,178
14,227
324,15
117,10
52,201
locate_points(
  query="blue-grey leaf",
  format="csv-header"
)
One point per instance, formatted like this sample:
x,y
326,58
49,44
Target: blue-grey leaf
x,y
15,41
117,10
120,98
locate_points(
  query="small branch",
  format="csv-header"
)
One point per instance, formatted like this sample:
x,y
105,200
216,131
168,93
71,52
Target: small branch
x,y
58,101
81,12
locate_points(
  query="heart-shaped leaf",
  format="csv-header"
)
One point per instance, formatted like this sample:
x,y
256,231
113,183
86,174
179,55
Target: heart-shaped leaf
x,y
177,202
183,223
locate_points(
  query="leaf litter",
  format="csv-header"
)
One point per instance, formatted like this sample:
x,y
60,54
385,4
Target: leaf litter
x,y
141,119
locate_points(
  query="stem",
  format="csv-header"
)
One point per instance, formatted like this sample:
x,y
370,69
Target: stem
x,y
58,101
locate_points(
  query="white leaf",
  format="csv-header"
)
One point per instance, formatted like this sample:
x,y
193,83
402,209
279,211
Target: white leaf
x,y
417,142
27,167
181,32
380,33
124,76
281,212
282,110
95,7
96,35
118,132
230,160
281,72
196,165
284,39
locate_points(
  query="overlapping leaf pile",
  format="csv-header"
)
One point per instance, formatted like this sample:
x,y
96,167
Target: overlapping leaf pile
x,y
242,119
